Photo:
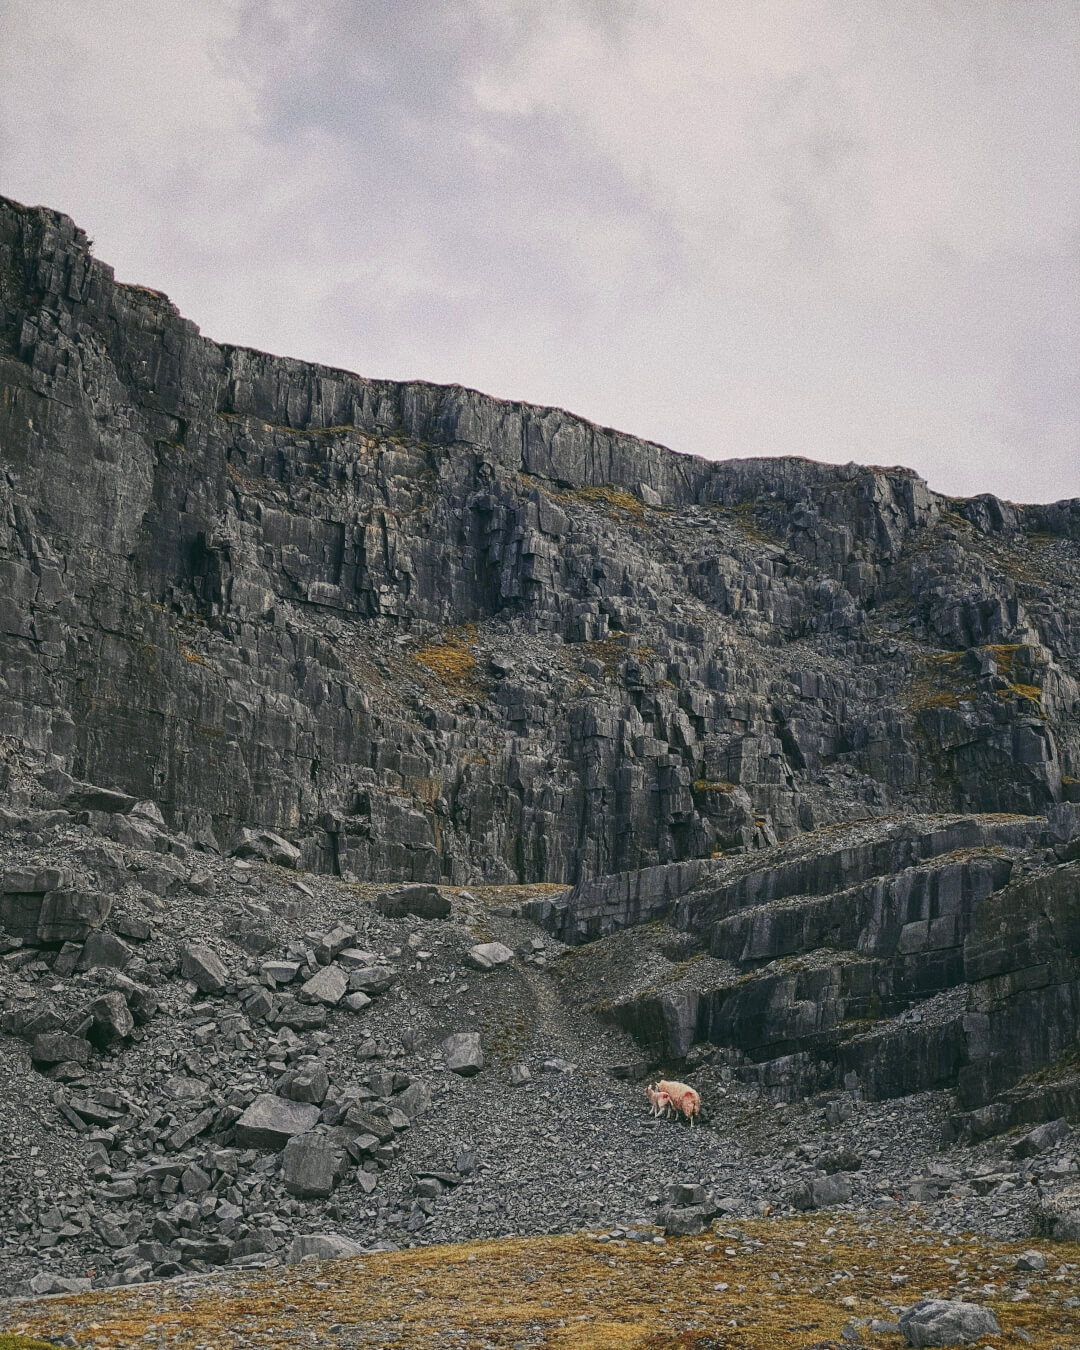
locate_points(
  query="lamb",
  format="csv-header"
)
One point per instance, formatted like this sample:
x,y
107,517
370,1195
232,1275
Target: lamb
x,y
659,1102
681,1098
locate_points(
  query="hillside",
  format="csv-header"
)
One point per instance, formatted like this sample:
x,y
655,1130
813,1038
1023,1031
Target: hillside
x,y
393,780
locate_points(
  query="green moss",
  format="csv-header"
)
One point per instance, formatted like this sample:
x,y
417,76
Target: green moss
x,y
9,1342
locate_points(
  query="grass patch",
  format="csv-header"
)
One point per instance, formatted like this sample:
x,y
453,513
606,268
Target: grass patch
x,y
452,661
780,1284
621,502
706,785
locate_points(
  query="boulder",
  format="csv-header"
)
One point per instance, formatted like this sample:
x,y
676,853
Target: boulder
x,y
304,1083
821,1192
267,845
488,955
271,1121
327,986
202,965
71,915
462,1053
413,1101
1042,1138
112,1018
56,1047
104,949
331,944
426,902
371,980
22,894
683,1221
311,1166
947,1321
1058,1215
321,1247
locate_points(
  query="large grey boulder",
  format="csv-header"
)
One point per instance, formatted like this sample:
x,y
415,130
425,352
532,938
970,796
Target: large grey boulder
x,y
327,986
488,955
426,902
821,1192
304,1083
56,1047
321,1247
72,915
22,894
413,1101
371,980
106,950
267,845
1057,1215
201,965
270,1122
462,1053
112,1018
947,1321
311,1166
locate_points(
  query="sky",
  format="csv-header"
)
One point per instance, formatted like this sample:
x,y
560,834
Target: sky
x,y
845,229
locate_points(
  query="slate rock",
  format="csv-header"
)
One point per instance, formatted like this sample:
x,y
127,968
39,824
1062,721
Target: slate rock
x,y
321,1247
683,1221
55,1047
331,944
821,1192
112,1018
1057,1214
426,902
204,967
462,1053
304,1083
327,986
941,1321
311,1166
371,980
265,844
356,1002
72,915
104,949
280,972
133,927
413,1101
488,955
520,1074
271,1121
45,1282
1042,1138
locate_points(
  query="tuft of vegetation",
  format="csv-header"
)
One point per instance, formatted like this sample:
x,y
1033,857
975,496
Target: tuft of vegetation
x,y
621,502
762,1284
706,785
452,661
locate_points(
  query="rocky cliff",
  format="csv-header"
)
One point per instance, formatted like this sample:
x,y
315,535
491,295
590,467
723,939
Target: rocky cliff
x,y
427,634
763,774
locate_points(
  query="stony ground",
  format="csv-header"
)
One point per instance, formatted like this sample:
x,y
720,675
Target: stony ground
x,y
129,1156
784,1284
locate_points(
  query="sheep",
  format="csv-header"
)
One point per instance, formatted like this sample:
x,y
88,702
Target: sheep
x,y
681,1098
659,1102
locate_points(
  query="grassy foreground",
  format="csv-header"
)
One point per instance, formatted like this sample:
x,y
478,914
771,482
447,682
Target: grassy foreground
x,y
783,1284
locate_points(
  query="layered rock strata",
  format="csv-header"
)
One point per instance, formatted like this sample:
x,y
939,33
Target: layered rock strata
x,y
430,635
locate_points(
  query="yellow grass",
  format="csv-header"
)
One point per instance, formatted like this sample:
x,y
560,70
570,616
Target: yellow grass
x,y
797,1288
451,661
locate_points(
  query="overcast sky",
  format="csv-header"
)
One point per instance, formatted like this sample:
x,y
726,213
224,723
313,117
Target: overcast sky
x,y
848,229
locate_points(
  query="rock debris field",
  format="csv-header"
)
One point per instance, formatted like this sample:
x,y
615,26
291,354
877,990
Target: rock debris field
x,y
395,781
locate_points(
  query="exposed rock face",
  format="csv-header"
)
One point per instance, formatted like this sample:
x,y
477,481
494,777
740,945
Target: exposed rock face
x,y
425,635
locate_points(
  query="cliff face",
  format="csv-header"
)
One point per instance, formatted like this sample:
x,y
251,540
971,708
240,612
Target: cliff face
x,y
430,635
